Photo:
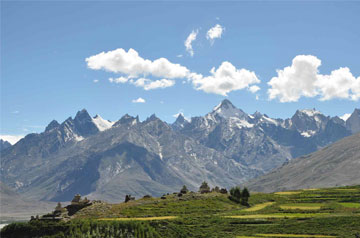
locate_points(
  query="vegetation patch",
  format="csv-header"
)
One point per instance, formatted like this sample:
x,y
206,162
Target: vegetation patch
x,y
301,206
258,207
287,193
138,218
350,204
295,235
278,215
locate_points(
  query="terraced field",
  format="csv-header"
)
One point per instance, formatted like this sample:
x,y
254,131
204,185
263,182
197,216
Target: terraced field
x,y
333,212
305,213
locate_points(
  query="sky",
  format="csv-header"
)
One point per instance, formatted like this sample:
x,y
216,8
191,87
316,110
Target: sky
x,y
140,58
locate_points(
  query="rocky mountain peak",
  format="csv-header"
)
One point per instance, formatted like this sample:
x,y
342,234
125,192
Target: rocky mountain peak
x,y
226,110
127,119
257,115
82,115
153,117
52,125
4,144
353,122
180,122
84,124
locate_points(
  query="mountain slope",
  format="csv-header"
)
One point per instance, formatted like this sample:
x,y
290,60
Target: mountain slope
x,y
14,206
334,165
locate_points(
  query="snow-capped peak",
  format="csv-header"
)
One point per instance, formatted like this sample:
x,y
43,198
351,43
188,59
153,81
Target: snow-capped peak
x,y
101,123
310,112
226,109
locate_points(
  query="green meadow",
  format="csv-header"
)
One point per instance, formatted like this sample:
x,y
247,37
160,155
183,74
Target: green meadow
x,y
333,212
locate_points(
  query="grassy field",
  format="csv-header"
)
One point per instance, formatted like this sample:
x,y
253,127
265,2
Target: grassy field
x,y
333,212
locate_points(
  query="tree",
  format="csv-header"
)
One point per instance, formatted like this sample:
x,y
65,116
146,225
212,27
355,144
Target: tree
x,y
204,188
184,190
235,193
245,194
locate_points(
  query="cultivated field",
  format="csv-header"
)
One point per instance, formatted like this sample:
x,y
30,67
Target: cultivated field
x,y
333,212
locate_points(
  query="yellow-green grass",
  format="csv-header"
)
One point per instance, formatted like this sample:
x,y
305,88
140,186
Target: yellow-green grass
x,y
138,218
246,237
287,193
311,189
350,204
301,206
347,189
294,235
278,215
258,207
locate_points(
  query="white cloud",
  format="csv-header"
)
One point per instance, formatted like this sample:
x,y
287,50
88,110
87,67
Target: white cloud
x,y
179,56
132,65
214,32
189,40
148,84
118,80
12,139
345,116
254,88
224,79
339,84
15,112
302,79
139,100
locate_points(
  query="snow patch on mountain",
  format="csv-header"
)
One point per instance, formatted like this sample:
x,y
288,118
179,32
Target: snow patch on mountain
x,y
101,123
345,116
310,112
239,123
308,133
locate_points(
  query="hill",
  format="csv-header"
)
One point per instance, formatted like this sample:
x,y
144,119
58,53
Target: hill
x,y
334,165
331,213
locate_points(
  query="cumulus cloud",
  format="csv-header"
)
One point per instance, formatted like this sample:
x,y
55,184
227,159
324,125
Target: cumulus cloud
x,y
118,80
225,79
214,32
189,40
254,88
139,100
12,139
134,68
302,79
131,64
148,84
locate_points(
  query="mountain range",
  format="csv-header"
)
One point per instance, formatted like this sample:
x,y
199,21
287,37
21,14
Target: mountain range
x,y
106,160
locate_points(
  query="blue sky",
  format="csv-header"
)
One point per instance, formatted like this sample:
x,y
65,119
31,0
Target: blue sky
x,y
45,75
